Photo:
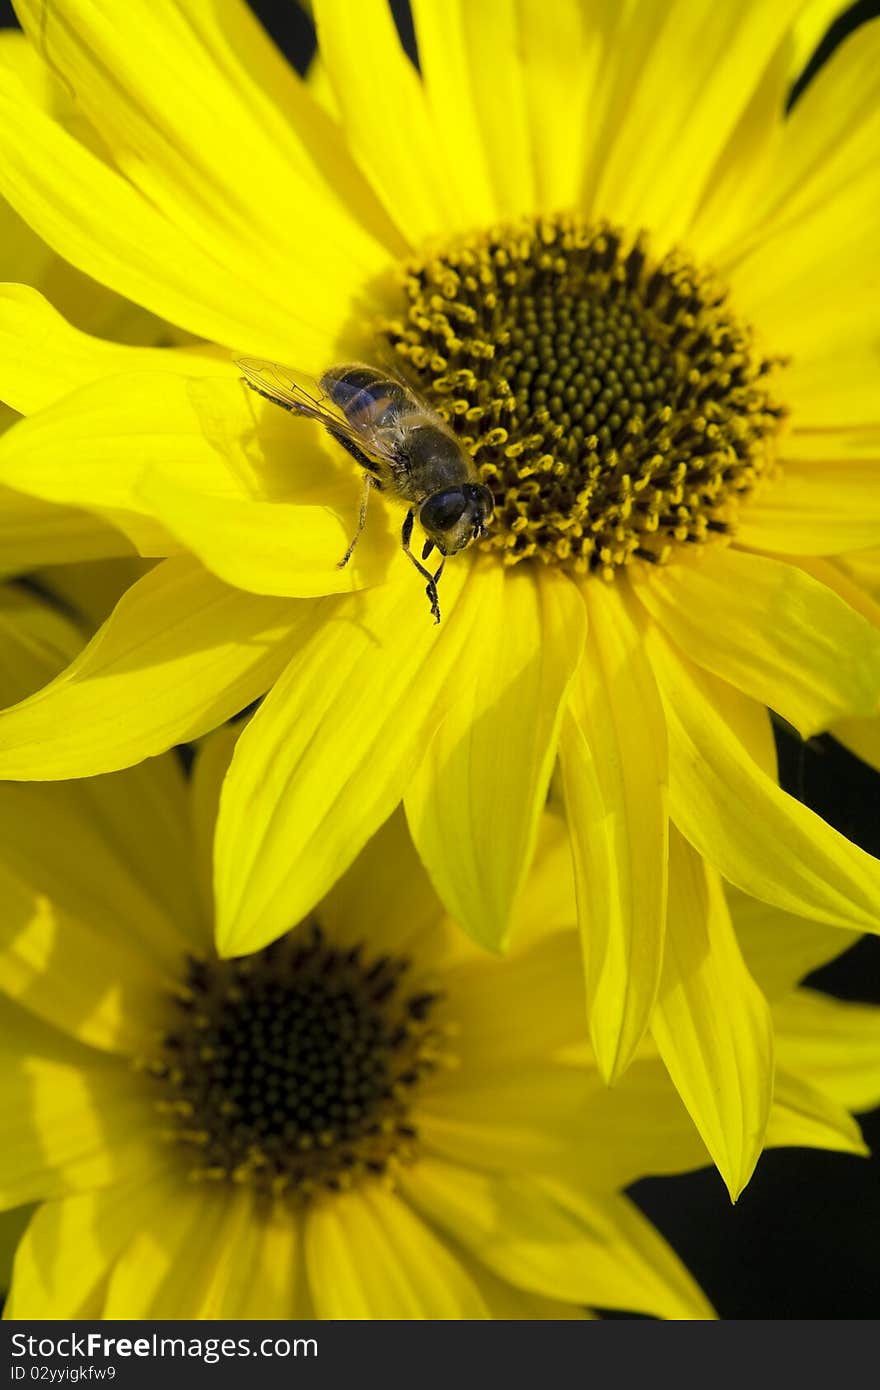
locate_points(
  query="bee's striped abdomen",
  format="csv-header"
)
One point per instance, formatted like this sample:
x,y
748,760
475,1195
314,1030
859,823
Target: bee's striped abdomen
x,y
368,398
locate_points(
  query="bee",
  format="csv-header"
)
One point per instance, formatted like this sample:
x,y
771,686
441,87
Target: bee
x,y
404,448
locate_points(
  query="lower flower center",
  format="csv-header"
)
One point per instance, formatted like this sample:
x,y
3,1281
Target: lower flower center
x,y
611,401
293,1069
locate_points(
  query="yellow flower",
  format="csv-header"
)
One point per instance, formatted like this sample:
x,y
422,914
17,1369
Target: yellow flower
x,y
436,1143
480,1176
538,230
353,1122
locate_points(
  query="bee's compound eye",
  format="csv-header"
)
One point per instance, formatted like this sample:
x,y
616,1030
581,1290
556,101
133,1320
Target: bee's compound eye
x,y
443,509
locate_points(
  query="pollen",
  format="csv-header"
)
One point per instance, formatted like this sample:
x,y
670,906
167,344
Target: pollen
x,y
293,1070
611,401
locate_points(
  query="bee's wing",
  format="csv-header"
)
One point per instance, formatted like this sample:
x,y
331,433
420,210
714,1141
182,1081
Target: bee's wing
x,y
296,391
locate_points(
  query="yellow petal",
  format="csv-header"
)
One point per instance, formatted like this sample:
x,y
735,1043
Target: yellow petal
x,y
546,901
773,631
70,1246
42,357
742,174
526,1007
815,507
802,266
508,1304
712,1023
202,116
36,642
637,1128
260,1270
833,1045
779,948
68,1114
527,1115
861,737
571,1245
274,547
811,24
386,903
613,753
92,448
370,1257
180,654
92,216
99,901
187,1260
383,112
329,753
682,74
453,96
92,588
474,805
484,122
757,836
34,533
804,1116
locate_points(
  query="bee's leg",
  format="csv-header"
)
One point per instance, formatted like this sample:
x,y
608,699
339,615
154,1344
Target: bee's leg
x,y
362,521
431,586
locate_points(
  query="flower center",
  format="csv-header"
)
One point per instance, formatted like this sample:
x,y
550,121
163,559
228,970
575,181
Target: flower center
x,y
293,1069
611,401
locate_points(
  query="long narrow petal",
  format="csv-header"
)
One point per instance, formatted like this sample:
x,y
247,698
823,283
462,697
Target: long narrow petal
x,y
530,1009
613,753
808,241
264,502
97,220
773,631
527,1115
680,76
330,752
508,1304
198,111
67,1112
369,1256
452,94
274,547
43,357
833,1044
93,446
492,122
818,506
35,533
97,963
808,1116
757,836
584,1249
383,112
188,1260
781,949
712,1023
385,903
180,653
36,642
861,737
474,805
69,1248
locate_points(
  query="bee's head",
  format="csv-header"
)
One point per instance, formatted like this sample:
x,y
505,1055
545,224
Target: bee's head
x,y
455,516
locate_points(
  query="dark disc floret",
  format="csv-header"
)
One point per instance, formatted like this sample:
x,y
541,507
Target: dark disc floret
x,y
611,401
293,1069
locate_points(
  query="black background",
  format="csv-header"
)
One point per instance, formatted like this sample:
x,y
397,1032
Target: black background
x,y
803,1241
